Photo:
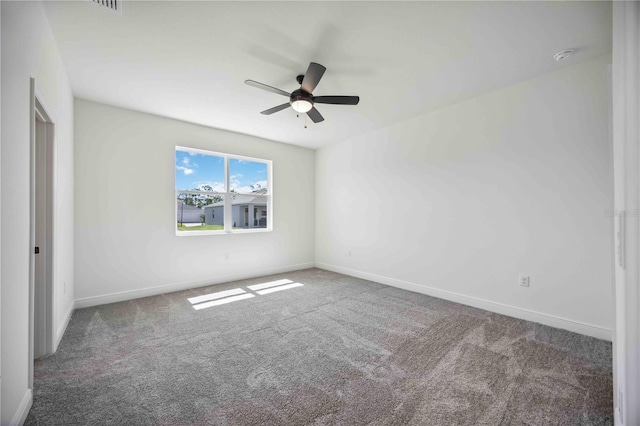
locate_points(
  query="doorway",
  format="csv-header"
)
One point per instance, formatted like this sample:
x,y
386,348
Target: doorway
x,y
41,221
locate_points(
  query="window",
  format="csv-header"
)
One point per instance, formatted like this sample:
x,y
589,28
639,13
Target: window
x,y
221,193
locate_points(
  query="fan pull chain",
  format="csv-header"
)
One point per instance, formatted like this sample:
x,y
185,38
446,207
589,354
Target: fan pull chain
x,y
305,121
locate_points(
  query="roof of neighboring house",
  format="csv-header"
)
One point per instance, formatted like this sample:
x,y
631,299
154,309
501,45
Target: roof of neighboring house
x,y
241,199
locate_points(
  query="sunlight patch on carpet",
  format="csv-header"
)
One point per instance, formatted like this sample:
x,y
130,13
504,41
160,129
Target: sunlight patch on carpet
x,y
256,287
216,295
222,301
279,288
236,294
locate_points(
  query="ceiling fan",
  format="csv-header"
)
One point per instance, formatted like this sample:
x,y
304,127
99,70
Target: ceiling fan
x,y
302,99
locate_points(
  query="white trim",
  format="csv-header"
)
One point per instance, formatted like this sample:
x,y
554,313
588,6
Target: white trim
x,y
154,291
221,232
23,409
0,221
626,137
63,326
32,222
227,207
500,308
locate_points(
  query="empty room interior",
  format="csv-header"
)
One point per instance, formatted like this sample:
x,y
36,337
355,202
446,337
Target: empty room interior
x,y
291,213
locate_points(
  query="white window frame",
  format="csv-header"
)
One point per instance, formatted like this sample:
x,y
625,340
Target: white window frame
x,y
227,194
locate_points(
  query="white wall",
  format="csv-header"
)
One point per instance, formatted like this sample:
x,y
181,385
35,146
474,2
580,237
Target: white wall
x,y
125,208
29,50
459,202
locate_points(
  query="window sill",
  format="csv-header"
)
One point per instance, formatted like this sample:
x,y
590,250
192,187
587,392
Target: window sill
x,y
222,232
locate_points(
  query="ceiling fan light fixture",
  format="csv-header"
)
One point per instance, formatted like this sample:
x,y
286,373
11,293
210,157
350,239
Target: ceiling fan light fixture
x,y
301,105
302,100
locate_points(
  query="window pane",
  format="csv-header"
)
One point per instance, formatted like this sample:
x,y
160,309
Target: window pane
x,y
200,212
202,172
247,177
249,211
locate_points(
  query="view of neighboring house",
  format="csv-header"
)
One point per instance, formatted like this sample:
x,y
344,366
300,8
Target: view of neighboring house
x,y
248,211
186,213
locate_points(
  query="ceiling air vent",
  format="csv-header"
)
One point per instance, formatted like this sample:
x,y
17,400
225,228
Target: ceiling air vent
x,y
114,5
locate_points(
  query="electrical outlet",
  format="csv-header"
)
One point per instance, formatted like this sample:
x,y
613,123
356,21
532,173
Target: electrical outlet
x,y
524,280
226,256
349,253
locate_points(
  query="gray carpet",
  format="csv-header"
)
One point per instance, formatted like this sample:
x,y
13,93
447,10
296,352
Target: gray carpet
x,y
335,351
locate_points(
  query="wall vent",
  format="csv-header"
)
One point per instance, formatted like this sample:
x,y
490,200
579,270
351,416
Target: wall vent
x,y
114,5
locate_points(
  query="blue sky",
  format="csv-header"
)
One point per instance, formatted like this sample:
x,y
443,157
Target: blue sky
x,y
194,170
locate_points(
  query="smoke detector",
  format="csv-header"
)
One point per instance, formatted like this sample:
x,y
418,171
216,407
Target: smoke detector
x,y
560,56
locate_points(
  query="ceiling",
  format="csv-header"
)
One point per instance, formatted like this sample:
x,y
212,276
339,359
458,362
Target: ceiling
x,y
189,60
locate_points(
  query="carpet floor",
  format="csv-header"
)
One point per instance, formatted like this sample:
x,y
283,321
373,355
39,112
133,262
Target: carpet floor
x,y
335,350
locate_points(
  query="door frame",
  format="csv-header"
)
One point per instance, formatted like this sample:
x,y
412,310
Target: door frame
x,y
626,148
40,111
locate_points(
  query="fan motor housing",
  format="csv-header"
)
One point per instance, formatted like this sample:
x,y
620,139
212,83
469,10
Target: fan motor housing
x,y
301,95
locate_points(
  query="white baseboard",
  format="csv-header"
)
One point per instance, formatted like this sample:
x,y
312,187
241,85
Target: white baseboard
x,y
154,291
500,308
23,409
63,326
